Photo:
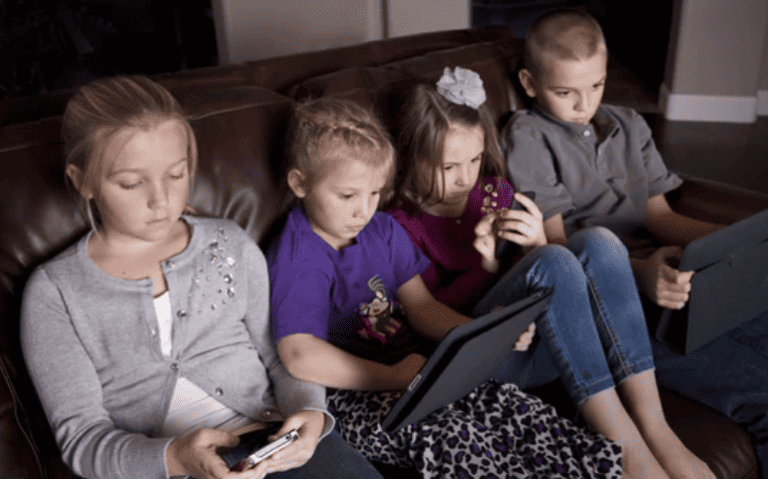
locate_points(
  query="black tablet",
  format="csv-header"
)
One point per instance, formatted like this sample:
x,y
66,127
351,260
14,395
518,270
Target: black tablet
x,y
729,286
468,356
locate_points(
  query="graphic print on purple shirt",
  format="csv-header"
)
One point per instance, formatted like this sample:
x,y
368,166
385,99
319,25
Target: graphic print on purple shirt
x,y
345,297
377,315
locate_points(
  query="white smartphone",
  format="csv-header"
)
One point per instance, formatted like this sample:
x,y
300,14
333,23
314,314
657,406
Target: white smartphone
x,y
266,451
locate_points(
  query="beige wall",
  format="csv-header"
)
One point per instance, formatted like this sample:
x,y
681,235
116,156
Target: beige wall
x,y
762,83
407,17
720,47
254,29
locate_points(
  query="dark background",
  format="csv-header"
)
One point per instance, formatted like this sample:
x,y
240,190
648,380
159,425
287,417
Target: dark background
x,y
637,33
49,45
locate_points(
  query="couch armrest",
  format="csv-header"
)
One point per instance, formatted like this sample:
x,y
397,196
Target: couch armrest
x,y
716,202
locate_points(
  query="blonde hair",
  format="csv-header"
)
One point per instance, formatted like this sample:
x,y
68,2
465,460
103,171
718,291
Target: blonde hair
x,y
424,121
322,128
100,110
566,34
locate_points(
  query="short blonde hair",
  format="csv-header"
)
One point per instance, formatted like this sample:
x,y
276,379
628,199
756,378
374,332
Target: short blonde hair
x,y
566,34
102,109
324,126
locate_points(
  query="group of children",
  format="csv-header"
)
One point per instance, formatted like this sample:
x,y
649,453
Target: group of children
x,y
134,334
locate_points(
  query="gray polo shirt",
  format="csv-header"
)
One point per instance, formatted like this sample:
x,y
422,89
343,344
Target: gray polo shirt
x,y
590,182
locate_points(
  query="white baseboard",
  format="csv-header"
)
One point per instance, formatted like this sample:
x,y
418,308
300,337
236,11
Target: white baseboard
x,y
727,109
762,102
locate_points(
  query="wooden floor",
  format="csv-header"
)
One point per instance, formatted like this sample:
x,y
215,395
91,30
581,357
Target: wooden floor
x,y
729,153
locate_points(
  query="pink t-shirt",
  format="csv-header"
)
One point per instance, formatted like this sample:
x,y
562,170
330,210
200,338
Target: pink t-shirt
x,y
456,277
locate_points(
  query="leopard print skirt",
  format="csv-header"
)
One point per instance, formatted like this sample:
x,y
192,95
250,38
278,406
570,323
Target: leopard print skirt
x,y
496,431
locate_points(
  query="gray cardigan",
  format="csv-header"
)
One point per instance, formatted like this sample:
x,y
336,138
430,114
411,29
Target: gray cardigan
x,y
90,342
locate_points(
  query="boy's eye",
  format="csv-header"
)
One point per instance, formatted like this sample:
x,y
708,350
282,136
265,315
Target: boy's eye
x,y
562,93
477,158
599,86
447,167
346,196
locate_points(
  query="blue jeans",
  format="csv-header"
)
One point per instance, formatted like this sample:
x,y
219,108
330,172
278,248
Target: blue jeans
x,y
333,458
593,333
730,375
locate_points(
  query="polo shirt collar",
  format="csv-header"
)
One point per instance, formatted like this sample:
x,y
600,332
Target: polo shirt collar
x,y
604,121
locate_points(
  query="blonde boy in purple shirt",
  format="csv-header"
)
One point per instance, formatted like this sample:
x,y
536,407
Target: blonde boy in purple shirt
x,y
596,164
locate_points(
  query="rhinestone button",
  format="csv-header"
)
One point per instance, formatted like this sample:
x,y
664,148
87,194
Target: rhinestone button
x,y
266,415
219,392
174,367
587,133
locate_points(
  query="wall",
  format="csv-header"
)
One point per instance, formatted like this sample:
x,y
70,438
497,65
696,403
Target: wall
x,y
408,17
255,29
762,86
715,61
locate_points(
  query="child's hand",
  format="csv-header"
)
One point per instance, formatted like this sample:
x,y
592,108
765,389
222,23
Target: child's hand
x,y
196,454
524,227
661,282
525,339
309,425
485,242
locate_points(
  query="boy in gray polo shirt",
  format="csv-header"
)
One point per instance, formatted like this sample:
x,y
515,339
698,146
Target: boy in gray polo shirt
x,y
593,164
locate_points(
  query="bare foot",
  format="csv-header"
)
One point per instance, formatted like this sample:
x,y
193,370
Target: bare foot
x,y
675,458
639,462
605,414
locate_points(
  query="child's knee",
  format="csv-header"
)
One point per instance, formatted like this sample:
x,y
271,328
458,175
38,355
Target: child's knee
x,y
598,242
558,260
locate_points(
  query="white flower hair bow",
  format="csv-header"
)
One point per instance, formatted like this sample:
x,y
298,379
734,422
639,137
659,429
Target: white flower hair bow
x,y
462,86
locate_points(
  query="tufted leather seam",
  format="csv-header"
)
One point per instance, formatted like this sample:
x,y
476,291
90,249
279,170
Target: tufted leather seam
x,y
24,431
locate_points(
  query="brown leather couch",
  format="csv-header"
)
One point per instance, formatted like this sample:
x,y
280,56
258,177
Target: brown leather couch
x,y
239,114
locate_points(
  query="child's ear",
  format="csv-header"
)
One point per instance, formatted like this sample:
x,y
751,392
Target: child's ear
x,y
527,80
77,177
297,182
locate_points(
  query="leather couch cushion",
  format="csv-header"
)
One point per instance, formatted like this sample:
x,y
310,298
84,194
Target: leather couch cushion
x,y
241,142
493,61
282,73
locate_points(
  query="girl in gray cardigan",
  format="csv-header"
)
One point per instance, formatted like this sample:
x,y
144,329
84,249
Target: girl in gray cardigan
x,y
148,339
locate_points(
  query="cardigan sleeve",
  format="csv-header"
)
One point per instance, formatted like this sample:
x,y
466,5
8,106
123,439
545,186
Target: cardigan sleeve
x,y
292,394
70,391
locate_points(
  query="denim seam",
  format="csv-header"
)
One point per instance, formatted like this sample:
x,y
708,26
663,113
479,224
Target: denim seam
x,y
578,391
624,364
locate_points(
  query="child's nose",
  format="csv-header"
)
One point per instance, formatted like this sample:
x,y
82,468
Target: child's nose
x,y
364,208
158,196
582,103
463,177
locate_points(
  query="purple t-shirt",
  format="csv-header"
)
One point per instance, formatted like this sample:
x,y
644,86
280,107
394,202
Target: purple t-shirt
x,y
456,276
345,297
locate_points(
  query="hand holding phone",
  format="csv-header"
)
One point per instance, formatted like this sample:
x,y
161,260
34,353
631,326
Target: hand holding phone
x,y
506,247
265,451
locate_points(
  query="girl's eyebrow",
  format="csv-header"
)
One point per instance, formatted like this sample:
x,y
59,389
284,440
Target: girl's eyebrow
x,y
138,170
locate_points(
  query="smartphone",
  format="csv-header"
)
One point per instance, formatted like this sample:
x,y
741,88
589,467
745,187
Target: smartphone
x,y
506,247
253,447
